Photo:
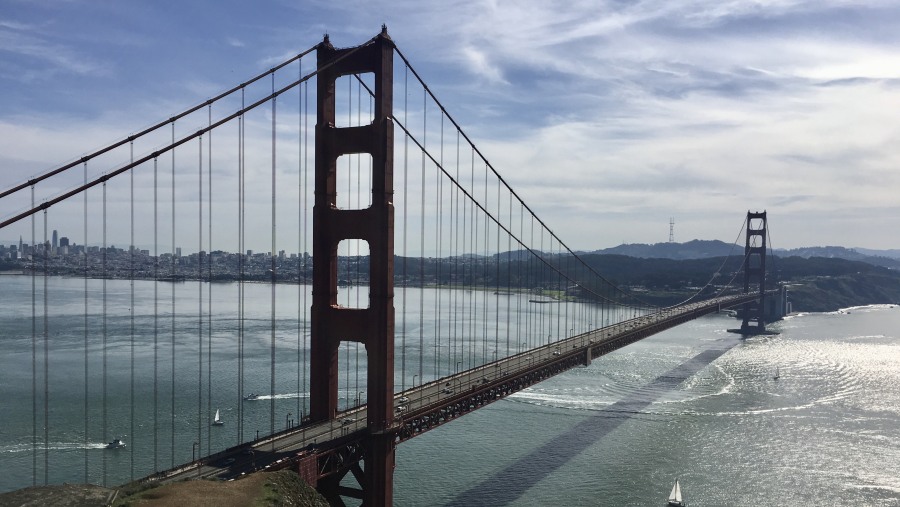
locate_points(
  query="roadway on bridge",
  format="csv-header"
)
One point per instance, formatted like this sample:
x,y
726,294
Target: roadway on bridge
x,y
276,451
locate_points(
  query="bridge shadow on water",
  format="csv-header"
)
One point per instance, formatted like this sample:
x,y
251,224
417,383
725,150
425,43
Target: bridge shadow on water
x,y
508,484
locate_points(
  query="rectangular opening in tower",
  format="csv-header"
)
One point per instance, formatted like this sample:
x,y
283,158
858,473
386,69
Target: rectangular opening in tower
x,y
354,181
353,273
756,224
352,375
354,104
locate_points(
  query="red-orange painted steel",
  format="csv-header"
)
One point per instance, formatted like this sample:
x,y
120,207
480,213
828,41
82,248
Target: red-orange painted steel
x,y
372,326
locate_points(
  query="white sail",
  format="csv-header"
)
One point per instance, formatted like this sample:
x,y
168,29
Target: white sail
x,y
216,419
675,495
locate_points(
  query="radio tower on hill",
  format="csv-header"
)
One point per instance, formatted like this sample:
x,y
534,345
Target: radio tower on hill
x,y
671,230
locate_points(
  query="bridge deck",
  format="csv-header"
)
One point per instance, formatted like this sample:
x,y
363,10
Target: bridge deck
x,y
337,442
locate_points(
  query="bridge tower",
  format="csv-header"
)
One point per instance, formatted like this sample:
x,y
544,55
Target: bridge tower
x,y
372,326
755,273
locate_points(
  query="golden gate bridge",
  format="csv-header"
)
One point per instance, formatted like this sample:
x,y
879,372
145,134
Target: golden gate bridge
x,y
432,288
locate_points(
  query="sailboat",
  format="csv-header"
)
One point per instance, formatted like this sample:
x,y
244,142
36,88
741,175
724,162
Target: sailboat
x,y
777,374
216,420
675,499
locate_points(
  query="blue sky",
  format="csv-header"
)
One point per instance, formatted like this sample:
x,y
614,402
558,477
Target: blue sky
x,y
608,117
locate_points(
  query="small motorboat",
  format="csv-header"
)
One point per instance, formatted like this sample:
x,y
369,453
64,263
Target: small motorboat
x,y
117,443
675,498
251,397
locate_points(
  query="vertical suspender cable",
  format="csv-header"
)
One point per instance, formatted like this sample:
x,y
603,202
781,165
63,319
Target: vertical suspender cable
x,y
560,279
240,223
274,277
34,397
300,280
422,247
172,274
522,276
104,332
509,261
497,276
455,250
358,206
348,258
473,244
530,318
46,361
486,267
437,257
405,235
86,348
209,285
305,225
131,250
541,267
155,315
347,276
200,295
566,281
104,354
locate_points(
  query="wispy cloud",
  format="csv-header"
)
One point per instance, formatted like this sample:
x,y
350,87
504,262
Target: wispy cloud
x,y
590,108
21,40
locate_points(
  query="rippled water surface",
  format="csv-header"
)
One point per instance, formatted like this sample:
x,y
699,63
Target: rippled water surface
x,y
695,402
828,427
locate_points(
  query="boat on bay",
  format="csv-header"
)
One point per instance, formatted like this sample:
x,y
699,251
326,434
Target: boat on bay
x,y
251,397
116,443
675,498
216,420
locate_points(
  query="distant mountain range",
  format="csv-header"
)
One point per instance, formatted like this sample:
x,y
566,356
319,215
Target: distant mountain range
x,y
703,249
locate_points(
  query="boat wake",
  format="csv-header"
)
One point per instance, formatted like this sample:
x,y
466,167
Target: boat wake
x,y
53,446
284,396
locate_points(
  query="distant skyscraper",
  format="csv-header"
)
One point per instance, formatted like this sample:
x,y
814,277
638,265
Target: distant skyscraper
x,y
63,241
55,243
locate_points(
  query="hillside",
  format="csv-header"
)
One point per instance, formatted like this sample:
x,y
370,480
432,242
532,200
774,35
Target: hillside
x,y
704,249
284,488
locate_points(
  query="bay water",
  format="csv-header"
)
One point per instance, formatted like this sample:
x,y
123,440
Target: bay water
x,y
695,403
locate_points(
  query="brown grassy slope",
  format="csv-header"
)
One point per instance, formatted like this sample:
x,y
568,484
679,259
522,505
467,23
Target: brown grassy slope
x,y
284,488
